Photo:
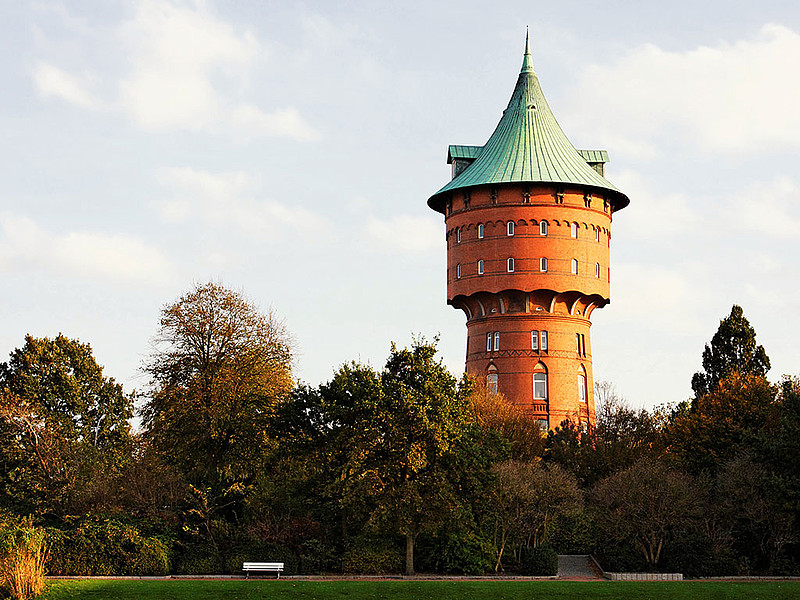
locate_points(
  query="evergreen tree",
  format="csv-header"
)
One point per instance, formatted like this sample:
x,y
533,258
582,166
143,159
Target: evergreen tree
x,y
733,348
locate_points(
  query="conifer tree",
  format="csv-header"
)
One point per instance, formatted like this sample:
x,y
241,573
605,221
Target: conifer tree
x,y
732,349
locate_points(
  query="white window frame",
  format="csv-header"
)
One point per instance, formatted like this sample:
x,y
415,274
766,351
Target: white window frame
x,y
458,235
542,227
543,265
534,340
542,381
573,229
496,341
458,271
480,231
543,341
489,342
480,267
597,270
491,382
510,265
574,266
510,228
596,234
582,388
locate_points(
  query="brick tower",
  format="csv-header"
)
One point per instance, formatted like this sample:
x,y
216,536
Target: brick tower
x,y
528,229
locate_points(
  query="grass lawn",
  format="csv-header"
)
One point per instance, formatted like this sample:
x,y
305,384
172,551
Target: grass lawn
x,y
413,590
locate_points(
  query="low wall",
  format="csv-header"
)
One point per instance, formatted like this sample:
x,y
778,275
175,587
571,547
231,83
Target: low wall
x,y
643,576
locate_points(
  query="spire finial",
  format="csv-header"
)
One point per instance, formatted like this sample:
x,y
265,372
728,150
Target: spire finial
x,y
527,61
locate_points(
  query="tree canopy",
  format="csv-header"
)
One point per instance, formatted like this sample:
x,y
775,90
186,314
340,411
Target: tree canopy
x,y
218,370
733,348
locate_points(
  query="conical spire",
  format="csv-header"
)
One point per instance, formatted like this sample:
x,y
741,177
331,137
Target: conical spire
x,y
528,146
527,60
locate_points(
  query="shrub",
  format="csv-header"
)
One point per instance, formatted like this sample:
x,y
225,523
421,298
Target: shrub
x,y
462,553
198,559
23,552
373,556
106,547
572,534
541,560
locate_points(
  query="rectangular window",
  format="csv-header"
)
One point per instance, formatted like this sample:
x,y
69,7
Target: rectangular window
x,y
458,271
597,269
458,235
542,423
574,266
578,343
510,265
573,230
480,267
491,383
543,265
496,341
480,231
543,340
510,228
583,345
542,227
489,342
582,387
534,340
540,386
596,234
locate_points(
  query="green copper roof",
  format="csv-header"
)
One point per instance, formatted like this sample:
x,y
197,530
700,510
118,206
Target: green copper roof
x,y
528,145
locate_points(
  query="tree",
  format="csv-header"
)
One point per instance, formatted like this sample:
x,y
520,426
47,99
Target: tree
x,y
64,425
643,505
218,371
721,423
733,348
526,500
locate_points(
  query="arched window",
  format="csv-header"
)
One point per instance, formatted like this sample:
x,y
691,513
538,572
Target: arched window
x,y
458,235
597,269
574,266
496,341
596,234
458,271
510,228
480,231
542,227
582,397
540,382
510,264
543,265
489,342
480,267
573,230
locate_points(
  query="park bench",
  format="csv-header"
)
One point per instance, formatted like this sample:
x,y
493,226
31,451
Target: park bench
x,y
257,567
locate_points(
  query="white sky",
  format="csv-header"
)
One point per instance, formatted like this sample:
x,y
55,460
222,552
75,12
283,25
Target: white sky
x,y
288,149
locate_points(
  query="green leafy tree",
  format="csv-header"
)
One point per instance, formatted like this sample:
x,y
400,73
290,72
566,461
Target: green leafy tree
x,y
733,348
64,425
218,372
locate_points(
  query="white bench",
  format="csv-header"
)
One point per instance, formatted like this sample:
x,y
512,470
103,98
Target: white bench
x,y
257,567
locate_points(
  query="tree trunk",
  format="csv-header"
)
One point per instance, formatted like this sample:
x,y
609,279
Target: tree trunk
x,y
410,539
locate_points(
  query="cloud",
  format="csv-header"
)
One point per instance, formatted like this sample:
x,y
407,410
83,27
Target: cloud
x,y
189,68
52,81
24,244
732,97
412,235
229,199
767,208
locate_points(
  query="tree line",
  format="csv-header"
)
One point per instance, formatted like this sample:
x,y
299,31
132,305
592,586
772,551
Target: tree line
x,y
399,469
